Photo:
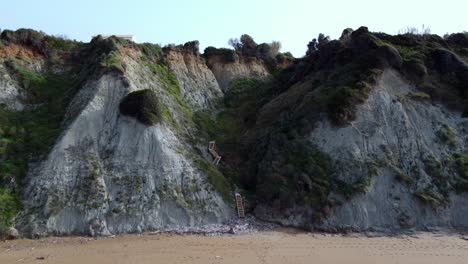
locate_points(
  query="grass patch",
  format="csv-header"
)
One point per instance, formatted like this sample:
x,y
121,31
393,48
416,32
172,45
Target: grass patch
x,y
113,61
29,134
171,85
461,161
215,178
403,177
9,207
351,189
429,197
421,96
446,135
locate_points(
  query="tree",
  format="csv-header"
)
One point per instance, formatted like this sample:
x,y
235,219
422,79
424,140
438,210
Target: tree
x,y
235,43
275,47
315,44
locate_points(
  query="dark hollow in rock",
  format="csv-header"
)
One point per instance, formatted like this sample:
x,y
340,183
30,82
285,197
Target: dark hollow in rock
x,y
142,105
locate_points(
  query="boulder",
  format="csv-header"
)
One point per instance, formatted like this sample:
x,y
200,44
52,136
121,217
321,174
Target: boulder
x,y
390,56
415,69
447,61
346,36
12,233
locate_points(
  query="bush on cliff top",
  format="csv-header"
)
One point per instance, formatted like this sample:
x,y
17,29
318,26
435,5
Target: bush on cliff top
x,y
142,105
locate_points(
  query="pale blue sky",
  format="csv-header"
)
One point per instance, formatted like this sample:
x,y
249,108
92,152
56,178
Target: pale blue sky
x,y
293,22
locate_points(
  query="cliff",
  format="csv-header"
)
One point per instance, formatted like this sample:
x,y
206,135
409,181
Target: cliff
x,y
368,132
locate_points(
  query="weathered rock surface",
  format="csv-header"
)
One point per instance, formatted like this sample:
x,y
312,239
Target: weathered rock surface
x,y
197,83
109,173
225,72
9,90
395,135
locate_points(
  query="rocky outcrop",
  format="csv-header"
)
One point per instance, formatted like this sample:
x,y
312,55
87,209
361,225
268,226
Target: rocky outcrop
x,y
391,141
197,82
109,173
364,133
10,90
239,67
12,93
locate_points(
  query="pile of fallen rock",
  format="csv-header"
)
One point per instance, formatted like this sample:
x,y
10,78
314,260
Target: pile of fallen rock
x,y
236,226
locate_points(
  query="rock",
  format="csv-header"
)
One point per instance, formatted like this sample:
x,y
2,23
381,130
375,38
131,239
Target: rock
x,y
362,41
410,135
415,69
447,61
12,233
109,173
346,36
359,31
390,56
460,39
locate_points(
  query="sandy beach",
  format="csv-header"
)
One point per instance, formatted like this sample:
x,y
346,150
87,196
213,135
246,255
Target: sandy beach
x,y
265,247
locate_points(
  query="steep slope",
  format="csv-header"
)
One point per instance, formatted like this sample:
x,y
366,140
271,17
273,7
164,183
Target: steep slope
x,y
197,82
121,154
109,173
368,132
410,144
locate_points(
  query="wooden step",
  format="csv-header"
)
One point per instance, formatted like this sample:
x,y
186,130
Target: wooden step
x,y
214,154
240,206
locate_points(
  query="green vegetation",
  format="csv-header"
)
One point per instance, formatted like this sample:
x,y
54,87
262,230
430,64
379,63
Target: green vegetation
x,y
422,96
142,105
150,50
461,160
350,189
403,177
114,62
446,135
215,178
9,206
428,196
29,134
169,80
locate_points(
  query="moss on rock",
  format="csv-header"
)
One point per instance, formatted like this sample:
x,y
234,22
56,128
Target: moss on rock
x,y
142,105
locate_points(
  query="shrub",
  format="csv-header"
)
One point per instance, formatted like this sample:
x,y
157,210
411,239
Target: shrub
x,y
429,197
8,208
151,50
215,178
403,177
461,161
113,62
275,47
422,96
446,135
142,105
415,30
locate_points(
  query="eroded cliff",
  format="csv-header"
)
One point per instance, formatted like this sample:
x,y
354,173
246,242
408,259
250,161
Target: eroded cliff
x,y
368,132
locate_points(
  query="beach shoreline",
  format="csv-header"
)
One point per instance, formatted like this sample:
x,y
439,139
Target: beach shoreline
x,y
283,245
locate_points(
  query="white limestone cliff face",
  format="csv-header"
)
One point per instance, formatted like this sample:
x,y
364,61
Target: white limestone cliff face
x,y
394,133
9,90
110,174
197,83
225,72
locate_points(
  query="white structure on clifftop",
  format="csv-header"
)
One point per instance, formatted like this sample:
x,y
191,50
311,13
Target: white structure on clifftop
x,y
127,37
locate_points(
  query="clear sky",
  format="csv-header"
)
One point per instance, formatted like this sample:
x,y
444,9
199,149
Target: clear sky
x,y
293,22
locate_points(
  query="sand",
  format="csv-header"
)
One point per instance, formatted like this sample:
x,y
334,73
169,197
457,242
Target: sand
x,y
265,247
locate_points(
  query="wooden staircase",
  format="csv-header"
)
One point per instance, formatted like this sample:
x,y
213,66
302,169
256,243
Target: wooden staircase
x,y
214,154
240,206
